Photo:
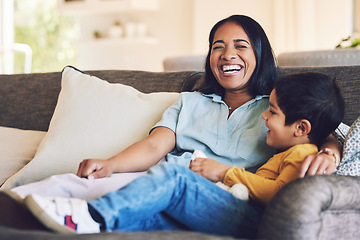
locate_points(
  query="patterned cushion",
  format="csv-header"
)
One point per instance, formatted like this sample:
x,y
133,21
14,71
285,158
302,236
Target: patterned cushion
x,y
350,164
340,132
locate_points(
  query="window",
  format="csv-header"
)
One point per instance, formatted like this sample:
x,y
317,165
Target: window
x,y
51,35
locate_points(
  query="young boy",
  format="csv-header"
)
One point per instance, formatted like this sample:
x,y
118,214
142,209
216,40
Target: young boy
x,y
304,109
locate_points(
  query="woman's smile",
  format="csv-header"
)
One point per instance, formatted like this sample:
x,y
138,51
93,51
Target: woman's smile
x,y
231,69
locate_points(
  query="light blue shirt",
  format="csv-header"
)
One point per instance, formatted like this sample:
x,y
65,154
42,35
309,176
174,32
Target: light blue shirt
x,y
201,122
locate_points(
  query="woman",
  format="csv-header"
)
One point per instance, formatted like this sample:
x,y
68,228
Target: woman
x,y
223,120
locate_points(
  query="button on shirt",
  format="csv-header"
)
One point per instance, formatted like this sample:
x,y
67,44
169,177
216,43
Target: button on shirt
x,y
201,122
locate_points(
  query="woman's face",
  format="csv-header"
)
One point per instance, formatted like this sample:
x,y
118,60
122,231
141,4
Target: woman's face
x,y
232,58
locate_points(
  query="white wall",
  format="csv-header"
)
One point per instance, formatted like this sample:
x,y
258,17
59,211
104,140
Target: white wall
x,y
357,16
170,26
181,27
291,25
208,12
302,25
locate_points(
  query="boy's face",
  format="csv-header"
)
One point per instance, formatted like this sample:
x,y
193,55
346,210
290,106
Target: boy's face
x,y
279,135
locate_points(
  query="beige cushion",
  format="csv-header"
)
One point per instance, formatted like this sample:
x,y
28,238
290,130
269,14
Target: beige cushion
x,y
17,148
92,119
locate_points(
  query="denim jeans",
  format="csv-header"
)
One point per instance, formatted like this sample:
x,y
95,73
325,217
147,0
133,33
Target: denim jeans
x,y
172,197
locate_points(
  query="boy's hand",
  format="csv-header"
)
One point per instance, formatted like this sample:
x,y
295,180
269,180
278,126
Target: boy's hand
x,y
94,168
317,164
210,169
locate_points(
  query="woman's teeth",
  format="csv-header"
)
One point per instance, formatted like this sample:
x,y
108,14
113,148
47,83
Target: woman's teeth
x,y
231,68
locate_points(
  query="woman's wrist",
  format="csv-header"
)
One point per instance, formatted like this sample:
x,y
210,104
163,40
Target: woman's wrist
x,y
330,152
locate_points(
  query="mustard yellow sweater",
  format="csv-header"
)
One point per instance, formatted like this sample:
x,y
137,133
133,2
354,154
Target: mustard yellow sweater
x,y
273,175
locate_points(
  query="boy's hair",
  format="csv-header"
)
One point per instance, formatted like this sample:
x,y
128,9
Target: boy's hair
x,y
312,96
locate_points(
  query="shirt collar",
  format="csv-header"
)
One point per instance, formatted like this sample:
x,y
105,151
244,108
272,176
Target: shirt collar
x,y
218,99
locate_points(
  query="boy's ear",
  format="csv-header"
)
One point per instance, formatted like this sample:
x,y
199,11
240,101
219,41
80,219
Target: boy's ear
x,y
303,127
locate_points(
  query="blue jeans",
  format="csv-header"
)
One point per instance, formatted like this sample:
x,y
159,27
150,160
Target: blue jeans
x,y
172,197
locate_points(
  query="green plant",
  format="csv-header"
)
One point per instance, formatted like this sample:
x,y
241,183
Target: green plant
x,y
349,42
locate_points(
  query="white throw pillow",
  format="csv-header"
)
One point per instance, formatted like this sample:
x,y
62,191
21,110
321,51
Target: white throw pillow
x,y
17,148
92,119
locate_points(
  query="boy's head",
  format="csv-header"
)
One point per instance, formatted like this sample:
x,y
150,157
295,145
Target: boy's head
x,y
304,107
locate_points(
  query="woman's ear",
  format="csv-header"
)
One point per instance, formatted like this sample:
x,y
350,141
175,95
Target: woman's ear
x,y
303,127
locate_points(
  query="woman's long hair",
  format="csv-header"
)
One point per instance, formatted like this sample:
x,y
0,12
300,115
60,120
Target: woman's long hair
x,y
262,80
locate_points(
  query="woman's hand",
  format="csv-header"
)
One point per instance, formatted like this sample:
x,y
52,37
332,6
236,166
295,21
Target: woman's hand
x,y
94,168
138,157
322,163
317,164
210,169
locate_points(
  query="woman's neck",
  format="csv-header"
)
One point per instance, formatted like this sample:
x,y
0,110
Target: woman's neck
x,y
236,99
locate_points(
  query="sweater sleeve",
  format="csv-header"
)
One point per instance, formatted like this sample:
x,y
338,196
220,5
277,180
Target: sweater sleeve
x,y
270,178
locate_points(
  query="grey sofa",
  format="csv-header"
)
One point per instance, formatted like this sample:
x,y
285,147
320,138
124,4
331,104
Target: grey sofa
x,y
319,207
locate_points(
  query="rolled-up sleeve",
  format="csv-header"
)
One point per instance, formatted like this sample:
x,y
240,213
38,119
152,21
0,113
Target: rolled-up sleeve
x,y
170,117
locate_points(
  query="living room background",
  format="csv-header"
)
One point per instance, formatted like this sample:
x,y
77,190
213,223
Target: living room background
x,y
171,28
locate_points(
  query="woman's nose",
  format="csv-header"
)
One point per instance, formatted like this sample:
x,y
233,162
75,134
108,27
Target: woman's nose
x,y
229,54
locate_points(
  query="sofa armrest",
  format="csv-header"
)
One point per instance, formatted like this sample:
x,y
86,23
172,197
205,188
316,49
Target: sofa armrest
x,y
314,207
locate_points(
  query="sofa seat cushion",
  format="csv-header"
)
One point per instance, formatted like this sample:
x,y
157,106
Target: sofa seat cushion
x,y
17,148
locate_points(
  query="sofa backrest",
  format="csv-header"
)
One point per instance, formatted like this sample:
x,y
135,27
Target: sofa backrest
x,y
27,101
331,57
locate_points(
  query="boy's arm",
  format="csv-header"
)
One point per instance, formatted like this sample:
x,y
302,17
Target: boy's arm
x,y
273,175
323,163
260,187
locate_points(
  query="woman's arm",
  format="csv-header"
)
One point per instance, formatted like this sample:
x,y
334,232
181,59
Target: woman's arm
x,y
323,163
138,157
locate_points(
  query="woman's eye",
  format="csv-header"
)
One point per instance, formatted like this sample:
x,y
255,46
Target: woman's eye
x,y
241,47
217,47
272,112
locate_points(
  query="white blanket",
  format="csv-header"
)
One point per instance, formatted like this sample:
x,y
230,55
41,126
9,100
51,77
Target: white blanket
x,y
69,185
